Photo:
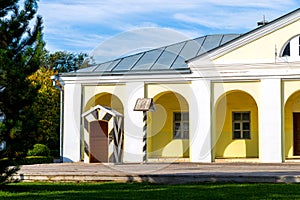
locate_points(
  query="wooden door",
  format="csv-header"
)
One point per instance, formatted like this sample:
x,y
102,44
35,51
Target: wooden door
x,y
98,141
296,124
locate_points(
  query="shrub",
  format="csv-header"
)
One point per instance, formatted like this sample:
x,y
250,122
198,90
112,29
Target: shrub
x,y
29,160
39,150
54,153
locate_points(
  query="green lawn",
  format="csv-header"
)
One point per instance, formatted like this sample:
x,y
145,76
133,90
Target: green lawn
x,y
148,191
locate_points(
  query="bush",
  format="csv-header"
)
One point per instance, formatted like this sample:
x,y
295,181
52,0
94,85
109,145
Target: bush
x,y
54,153
39,150
29,160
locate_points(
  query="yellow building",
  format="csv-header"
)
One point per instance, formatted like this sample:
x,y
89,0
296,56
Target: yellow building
x,y
216,97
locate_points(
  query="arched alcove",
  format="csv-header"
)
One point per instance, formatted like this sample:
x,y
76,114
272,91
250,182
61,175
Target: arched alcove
x,y
236,126
105,99
291,124
169,129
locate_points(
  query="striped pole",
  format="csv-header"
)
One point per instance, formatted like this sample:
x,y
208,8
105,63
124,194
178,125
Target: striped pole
x,y
145,136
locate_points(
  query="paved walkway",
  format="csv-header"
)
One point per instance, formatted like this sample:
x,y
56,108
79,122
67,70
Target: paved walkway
x,y
163,172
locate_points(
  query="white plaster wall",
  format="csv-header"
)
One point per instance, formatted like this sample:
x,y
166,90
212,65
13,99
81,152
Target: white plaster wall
x,y
72,112
133,123
200,121
270,121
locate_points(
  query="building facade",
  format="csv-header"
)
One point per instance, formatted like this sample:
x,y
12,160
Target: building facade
x,y
216,97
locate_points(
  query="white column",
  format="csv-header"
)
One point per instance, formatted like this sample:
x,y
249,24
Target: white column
x,y
200,122
270,121
133,123
71,133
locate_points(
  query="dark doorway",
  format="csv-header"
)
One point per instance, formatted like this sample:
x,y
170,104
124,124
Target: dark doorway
x,y
296,124
98,141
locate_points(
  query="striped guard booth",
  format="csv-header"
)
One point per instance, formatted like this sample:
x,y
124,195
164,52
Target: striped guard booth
x,y
115,137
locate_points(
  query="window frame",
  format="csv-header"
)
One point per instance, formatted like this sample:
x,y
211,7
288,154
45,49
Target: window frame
x,y
184,132
286,52
241,122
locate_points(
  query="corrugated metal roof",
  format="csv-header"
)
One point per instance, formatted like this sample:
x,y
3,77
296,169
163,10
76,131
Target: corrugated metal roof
x,y
168,58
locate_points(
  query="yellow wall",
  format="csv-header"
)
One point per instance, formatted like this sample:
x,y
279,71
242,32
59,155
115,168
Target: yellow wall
x,y
251,87
263,48
160,141
292,104
225,146
105,95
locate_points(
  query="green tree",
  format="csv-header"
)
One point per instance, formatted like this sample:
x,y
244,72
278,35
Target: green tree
x,y
62,61
21,47
46,108
46,105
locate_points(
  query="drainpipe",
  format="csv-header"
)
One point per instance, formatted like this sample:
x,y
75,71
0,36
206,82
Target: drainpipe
x,y
59,86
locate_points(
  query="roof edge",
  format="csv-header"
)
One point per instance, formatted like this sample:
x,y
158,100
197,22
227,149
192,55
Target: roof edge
x,y
125,73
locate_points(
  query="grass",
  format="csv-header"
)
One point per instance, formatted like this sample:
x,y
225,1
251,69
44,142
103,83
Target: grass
x,y
112,190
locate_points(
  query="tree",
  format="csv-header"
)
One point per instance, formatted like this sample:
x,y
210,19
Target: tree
x,y
46,105
21,47
62,61
46,108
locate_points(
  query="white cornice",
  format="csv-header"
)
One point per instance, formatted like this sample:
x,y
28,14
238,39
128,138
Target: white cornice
x,y
225,72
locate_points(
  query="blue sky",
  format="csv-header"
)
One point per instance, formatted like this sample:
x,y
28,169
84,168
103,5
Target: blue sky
x,y
82,25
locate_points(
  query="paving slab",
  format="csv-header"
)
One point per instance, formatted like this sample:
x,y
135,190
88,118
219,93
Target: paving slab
x,y
169,173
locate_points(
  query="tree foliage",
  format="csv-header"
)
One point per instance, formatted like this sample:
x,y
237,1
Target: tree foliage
x,y
62,61
21,47
46,105
46,108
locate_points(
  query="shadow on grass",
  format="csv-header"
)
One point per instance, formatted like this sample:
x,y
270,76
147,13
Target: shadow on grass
x,y
114,190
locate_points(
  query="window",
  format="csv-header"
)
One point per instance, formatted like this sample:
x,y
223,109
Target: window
x,y
181,125
287,50
291,48
241,125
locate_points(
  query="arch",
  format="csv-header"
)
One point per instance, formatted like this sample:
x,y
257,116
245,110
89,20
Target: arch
x,y
291,106
232,140
105,99
162,142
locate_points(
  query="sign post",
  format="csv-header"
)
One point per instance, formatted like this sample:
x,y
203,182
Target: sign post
x,y
145,105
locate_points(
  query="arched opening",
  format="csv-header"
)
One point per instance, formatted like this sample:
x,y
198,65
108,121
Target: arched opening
x,y
169,127
236,126
95,139
292,126
105,99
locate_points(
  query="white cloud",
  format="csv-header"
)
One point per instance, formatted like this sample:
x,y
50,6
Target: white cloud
x,y
79,25
271,4
229,14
